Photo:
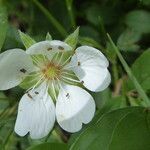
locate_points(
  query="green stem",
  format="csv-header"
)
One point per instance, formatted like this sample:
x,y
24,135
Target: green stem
x,y
50,17
71,14
102,28
129,72
115,72
55,134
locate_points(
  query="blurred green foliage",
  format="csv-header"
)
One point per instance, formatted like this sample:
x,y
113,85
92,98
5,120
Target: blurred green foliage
x,y
128,23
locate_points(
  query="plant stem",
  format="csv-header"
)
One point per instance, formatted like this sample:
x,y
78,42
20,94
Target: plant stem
x,y
50,17
115,72
129,72
102,29
70,12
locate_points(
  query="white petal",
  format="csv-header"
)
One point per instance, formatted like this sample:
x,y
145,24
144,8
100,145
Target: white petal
x,y
36,113
59,45
90,66
105,83
74,107
14,65
94,78
48,48
91,55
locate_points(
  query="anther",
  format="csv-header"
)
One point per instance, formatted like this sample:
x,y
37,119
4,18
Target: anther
x,y
82,82
55,78
79,63
49,49
23,70
36,92
29,96
60,48
67,95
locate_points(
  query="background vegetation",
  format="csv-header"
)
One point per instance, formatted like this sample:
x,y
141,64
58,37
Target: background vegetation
x,y
122,121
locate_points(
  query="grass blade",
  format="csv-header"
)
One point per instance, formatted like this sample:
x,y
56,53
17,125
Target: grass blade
x,y
129,72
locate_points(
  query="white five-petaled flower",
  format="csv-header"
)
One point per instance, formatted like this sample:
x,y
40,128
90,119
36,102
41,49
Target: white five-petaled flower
x,y
59,75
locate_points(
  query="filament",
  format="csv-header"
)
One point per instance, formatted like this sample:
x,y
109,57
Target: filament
x,y
66,61
70,79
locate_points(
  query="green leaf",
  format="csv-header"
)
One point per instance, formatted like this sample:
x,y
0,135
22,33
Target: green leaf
x,y
107,13
146,2
72,39
26,39
105,100
116,103
139,20
101,98
89,31
128,39
90,42
48,37
49,146
3,25
13,39
117,130
141,69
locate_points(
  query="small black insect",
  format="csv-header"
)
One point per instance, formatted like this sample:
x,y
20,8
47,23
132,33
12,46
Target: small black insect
x,y
23,70
60,48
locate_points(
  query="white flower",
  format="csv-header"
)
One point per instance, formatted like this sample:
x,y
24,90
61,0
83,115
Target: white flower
x,y
60,73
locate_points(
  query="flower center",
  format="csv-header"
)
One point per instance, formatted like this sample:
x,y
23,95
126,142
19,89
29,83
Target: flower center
x,y
51,71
